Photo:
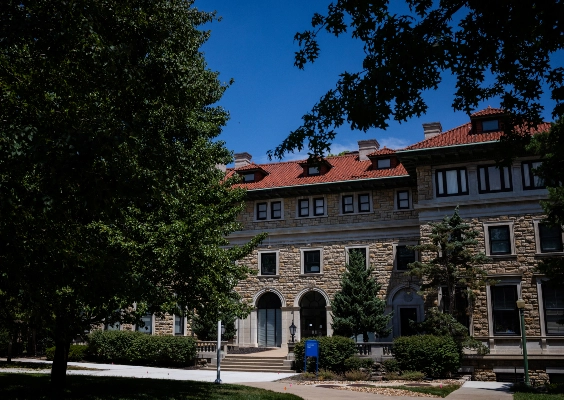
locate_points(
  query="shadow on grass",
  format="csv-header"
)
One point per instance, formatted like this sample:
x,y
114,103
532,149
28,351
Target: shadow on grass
x,y
443,391
35,386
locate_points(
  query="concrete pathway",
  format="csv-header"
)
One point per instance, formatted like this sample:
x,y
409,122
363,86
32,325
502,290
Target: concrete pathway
x,y
270,381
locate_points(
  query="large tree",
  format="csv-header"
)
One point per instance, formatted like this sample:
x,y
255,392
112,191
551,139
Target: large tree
x,y
111,204
501,49
357,308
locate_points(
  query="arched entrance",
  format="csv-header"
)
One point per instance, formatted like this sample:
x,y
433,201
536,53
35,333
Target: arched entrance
x,y
313,315
269,321
407,306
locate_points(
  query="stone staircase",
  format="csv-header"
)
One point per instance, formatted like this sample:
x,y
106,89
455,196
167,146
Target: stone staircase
x,y
244,363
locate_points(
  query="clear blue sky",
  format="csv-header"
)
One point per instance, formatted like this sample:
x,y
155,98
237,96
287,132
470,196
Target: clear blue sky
x,y
253,44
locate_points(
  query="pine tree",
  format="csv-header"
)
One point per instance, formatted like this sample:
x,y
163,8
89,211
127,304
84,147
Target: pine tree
x,y
455,263
357,309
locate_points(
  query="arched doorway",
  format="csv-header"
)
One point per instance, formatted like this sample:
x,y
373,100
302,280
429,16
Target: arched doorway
x,y
269,316
407,307
313,315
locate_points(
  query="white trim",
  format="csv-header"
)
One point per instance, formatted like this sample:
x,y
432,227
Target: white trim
x,y
259,261
311,206
394,253
487,226
174,325
302,260
409,199
536,223
360,246
355,202
504,280
268,210
267,290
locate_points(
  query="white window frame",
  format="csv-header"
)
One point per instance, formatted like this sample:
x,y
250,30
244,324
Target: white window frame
x,y
174,325
483,190
409,199
277,252
540,281
268,210
503,280
138,327
366,247
394,254
531,176
445,193
539,252
302,260
487,226
355,203
106,326
311,207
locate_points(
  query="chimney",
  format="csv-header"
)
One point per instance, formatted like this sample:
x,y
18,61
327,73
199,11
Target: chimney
x,y
242,159
432,129
366,147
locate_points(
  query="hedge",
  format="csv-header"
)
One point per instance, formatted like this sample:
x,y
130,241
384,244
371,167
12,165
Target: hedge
x,y
333,351
127,347
77,352
436,356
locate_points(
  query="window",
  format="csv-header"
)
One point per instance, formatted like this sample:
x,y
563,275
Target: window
x,y
550,238
356,203
303,208
404,256
451,182
500,239
112,327
493,179
504,310
530,180
268,263
553,299
271,209
262,209
384,163
490,126
311,261
319,206
179,325
402,199
147,328
249,177
363,251
276,210
312,171
348,204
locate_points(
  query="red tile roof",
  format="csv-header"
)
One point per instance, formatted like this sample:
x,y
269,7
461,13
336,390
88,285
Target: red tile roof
x,y
249,167
463,135
383,151
344,168
487,111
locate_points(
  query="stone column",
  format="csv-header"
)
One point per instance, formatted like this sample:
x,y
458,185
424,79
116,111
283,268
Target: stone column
x,y
329,321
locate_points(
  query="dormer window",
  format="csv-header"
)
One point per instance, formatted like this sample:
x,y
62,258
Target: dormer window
x,y
490,125
249,177
384,163
311,171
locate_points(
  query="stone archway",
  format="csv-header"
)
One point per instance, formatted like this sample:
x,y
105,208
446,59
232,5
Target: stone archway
x,y
269,320
407,306
313,314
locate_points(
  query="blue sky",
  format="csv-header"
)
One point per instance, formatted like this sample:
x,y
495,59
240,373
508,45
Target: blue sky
x,y
253,44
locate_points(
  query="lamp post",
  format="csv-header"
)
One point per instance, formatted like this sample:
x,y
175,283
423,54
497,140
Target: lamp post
x,y
220,332
521,307
293,330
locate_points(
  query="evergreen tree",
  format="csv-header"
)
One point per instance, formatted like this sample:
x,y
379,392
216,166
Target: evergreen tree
x,y
356,308
455,262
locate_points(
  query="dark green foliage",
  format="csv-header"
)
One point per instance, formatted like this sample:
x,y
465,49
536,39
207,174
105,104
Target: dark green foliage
x,y
204,325
138,348
356,307
391,365
439,391
77,352
550,147
36,386
357,363
333,351
505,50
453,263
436,356
412,375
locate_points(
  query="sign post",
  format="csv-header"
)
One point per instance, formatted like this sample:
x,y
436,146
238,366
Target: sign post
x,y
312,350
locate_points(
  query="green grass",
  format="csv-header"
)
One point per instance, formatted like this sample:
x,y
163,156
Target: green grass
x,y
36,386
39,366
537,396
434,390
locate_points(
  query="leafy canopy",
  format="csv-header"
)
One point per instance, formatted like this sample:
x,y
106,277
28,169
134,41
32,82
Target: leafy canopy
x,y
501,49
357,308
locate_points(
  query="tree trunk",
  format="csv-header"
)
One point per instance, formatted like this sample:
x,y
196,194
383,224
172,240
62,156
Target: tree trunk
x,y
9,360
59,368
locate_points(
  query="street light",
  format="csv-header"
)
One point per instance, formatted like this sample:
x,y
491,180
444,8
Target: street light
x,y
220,333
293,330
521,307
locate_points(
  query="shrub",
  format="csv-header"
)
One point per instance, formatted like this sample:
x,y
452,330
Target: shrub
x,y
412,376
355,362
139,348
77,352
392,376
333,351
435,356
391,365
326,375
356,375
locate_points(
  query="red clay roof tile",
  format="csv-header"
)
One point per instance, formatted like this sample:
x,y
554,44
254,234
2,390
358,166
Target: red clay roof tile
x,y
487,111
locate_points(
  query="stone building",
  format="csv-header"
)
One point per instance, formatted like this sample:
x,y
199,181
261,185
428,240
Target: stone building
x,y
377,202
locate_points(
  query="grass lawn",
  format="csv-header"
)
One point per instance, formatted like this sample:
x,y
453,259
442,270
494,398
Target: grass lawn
x,y
537,396
36,386
434,390
38,366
